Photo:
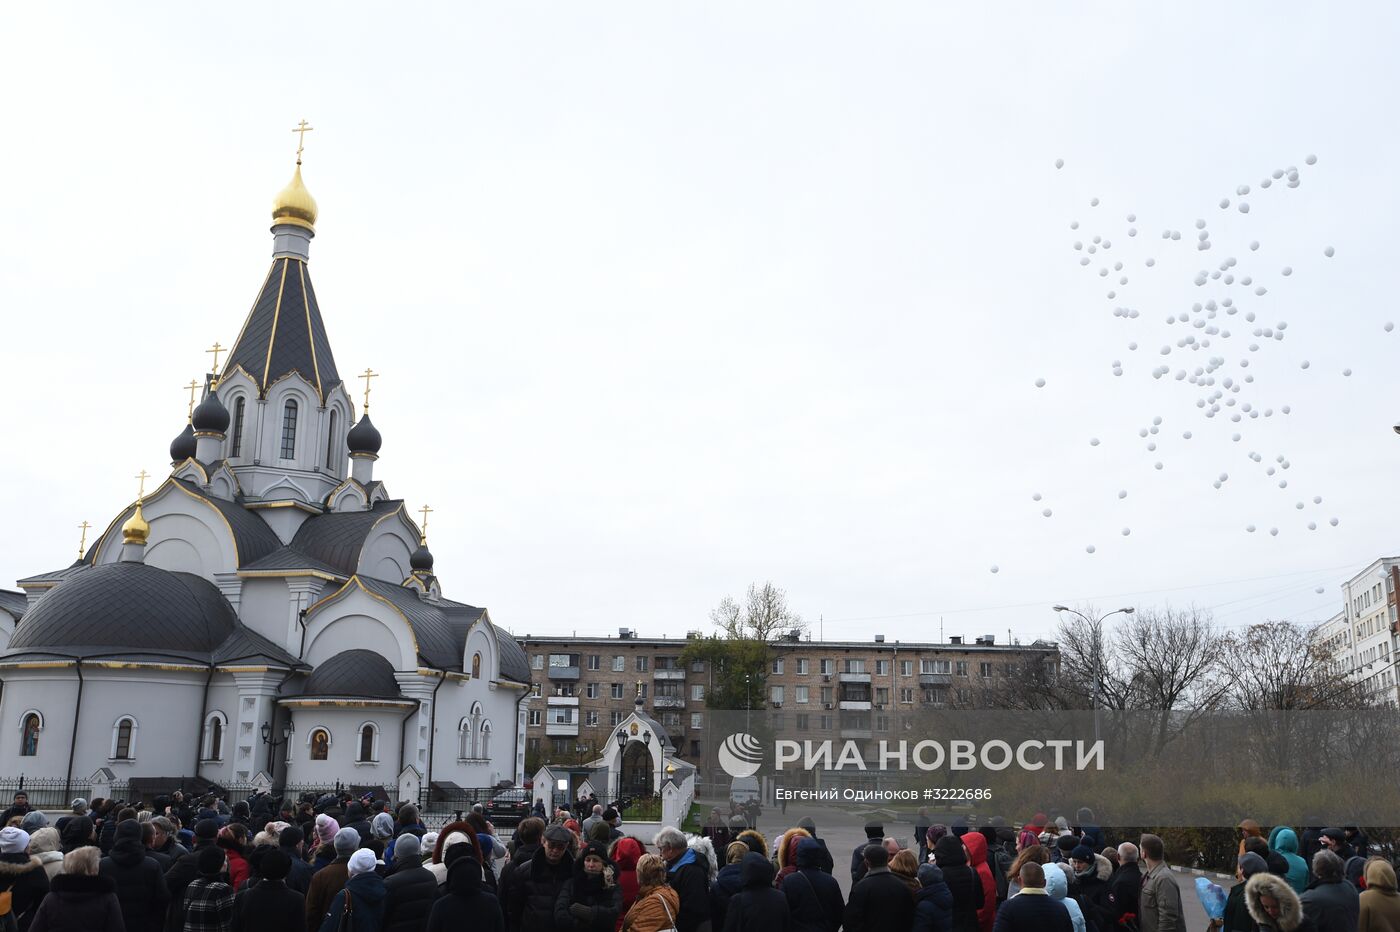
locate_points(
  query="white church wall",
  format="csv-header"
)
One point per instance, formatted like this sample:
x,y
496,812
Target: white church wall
x,y
51,694
187,536
328,633
222,702
265,607
451,759
386,552
342,760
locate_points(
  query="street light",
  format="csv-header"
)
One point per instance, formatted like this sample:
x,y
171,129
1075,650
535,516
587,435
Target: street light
x,y
1098,654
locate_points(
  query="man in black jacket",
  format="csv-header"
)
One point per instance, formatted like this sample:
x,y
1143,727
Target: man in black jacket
x,y
163,848
824,861
268,905
466,904
757,907
688,873
355,818
299,874
1032,910
874,834
185,870
813,895
140,883
1121,898
410,889
880,901
535,885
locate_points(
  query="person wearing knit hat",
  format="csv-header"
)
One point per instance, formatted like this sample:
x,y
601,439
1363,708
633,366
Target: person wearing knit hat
x,y
33,821
382,826
80,806
410,889
21,875
139,880
292,842
326,827
366,894
330,878
208,900
13,840
346,842
268,904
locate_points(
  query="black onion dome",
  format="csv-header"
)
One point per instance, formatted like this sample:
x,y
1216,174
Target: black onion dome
x,y
422,558
364,437
128,606
360,674
182,447
210,416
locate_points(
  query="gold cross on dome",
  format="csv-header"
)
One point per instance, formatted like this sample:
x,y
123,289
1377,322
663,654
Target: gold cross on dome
x,y
301,129
82,544
367,375
143,476
193,387
216,349
425,511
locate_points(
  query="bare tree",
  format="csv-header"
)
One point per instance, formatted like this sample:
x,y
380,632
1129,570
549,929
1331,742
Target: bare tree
x,y
1279,665
1172,666
763,616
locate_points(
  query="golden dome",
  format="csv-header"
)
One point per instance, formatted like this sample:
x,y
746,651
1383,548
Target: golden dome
x,y
294,204
135,530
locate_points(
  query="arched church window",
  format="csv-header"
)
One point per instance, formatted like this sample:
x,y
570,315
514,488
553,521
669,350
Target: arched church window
x,y
474,726
464,740
289,430
476,665
320,744
367,736
29,735
237,447
330,443
214,737
485,740
124,739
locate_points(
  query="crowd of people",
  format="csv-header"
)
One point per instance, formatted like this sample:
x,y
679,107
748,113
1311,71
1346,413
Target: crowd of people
x,y
338,864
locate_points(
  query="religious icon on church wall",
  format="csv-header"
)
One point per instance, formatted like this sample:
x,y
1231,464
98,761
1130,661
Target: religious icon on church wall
x,y
320,744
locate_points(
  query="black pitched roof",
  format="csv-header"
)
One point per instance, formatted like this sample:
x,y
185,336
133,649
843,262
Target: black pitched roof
x,y
245,645
515,665
438,643
16,603
335,538
290,559
57,576
354,673
284,332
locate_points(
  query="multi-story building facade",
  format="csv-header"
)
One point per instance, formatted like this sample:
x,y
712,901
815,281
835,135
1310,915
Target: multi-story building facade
x,y
1365,634
856,688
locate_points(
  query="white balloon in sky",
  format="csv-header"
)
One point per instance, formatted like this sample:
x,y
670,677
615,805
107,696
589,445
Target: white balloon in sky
x,y
1039,383
1152,448
1157,465
1389,326
1089,549
1200,224
995,568
1151,262
1059,163
1317,499
1285,409
1093,202
1346,372
1249,528
1299,506
1186,435
1242,190
1253,245
1235,437
1035,496
1216,484
1142,432
1127,531
1157,420
1332,521
1261,291
1132,346
1318,590
1122,493
1287,270
1046,513
1312,525
1283,483
1224,477
1074,224
1304,364
1329,252
1224,202
1093,441
1244,207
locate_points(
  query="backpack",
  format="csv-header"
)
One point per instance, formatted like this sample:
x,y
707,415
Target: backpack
x,y
1001,866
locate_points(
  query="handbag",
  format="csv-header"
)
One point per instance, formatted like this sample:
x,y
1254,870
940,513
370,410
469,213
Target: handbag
x,y
347,917
667,906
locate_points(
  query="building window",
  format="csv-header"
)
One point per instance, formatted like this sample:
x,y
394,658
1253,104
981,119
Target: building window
x,y
799,694
29,734
124,739
617,690
777,694
882,668
537,662
961,668
289,430
882,695
697,667
619,663
536,716
563,715
615,718
827,694
320,742
368,736
330,442
828,667
485,740
778,666
984,670
906,668
236,449
695,749
594,661
803,721
802,666
214,737
697,692
935,666
590,718
592,690
697,720
643,663
476,665
906,694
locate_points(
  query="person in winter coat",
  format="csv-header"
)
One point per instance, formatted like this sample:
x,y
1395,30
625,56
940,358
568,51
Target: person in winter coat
x,y
331,879
1159,901
78,832
233,838
904,866
44,845
362,897
976,844
139,882
1285,841
874,835
534,888
357,818
410,890
590,900
963,882
825,864
1274,906
80,900
529,835
270,905
880,901
787,852
813,895
1033,910
757,907
933,904
208,902
1091,875
1121,898
1329,900
21,874
728,881
625,854
657,905
465,902
184,871
1236,917
291,841
1380,903
1248,828
1036,853
688,871
1057,888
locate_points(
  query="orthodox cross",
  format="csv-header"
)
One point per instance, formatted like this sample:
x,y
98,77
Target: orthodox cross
x,y
82,544
367,375
301,129
425,511
143,476
216,349
193,387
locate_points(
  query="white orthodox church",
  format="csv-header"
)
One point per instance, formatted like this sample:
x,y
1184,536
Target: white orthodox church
x,y
269,612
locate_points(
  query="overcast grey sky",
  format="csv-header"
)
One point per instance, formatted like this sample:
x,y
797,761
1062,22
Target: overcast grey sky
x,y
673,297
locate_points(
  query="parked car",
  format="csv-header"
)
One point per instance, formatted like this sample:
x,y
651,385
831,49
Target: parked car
x,y
508,807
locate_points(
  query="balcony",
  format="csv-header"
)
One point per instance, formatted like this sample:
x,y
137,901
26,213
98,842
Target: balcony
x,y
563,673
855,705
855,678
668,702
935,679
562,701
668,674
857,733
561,729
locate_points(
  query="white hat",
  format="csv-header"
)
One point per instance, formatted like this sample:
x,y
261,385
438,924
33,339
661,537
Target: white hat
x,y
361,862
13,840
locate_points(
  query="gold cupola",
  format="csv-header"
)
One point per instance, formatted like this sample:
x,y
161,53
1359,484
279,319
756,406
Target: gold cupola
x,y
135,530
294,204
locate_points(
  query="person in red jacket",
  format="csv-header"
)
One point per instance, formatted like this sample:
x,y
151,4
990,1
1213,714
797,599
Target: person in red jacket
x,y
626,851
976,844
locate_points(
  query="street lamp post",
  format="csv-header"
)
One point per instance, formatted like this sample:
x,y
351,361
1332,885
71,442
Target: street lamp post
x,y
621,737
266,733
1098,654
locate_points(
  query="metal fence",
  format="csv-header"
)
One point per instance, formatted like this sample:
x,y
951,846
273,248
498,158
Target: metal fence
x,y
43,793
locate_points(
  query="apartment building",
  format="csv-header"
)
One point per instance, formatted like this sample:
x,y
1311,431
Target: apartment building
x,y
1366,633
854,688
